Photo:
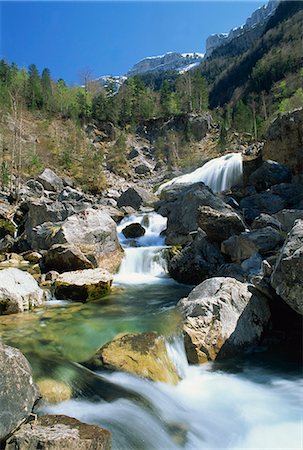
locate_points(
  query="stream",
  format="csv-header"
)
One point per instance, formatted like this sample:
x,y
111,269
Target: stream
x,y
252,402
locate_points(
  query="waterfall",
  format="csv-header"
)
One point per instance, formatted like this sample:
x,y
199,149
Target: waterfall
x,y
219,174
144,260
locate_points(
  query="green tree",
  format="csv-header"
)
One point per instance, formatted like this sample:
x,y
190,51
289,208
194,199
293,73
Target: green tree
x,y
34,88
47,92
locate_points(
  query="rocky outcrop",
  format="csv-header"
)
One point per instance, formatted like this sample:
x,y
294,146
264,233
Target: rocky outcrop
x,y
287,277
58,432
18,393
196,261
50,181
83,285
263,241
284,140
134,230
269,174
143,354
222,316
136,197
19,291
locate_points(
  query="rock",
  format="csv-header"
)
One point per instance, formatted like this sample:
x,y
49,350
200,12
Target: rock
x,y
219,225
7,244
265,220
69,194
181,206
6,228
32,189
196,262
18,393
287,217
284,139
50,181
232,270
287,277
240,192
134,230
143,354
65,257
133,154
264,202
83,285
56,432
222,316
243,246
19,291
292,193
136,197
54,391
269,174
52,275
142,169
252,160
32,257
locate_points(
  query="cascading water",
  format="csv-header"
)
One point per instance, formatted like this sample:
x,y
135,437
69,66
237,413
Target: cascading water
x,y
219,174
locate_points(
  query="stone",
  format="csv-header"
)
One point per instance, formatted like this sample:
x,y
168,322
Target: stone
x,y
221,317
51,276
7,244
264,202
263,241
18,393
287,217
83,285
269,174
142,169
287,277
196,261
292,193
133,154
6,228
136,197
252,159
71,195
33,188
232,270
54,391
142,354
134,230
58,432
265,220
50,181
32,257
219,225
64,258
19,291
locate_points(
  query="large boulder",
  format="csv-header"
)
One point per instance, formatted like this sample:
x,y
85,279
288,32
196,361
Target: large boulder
x,y
222,316
65,257
196,261
287,218
287,277
134,230
264,202
83,285
269,174
136,197
19,291
284,140
265,220
181,205
262,240
143,354
292,193
219,225
50,181
18,393
58,432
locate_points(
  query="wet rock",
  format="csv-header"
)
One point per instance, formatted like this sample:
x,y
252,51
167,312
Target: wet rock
x,y
18,393
232,270
264,202
134,230
265,220
197,261
219,225
54,391
83,285
136,197
19,291
269,174
287,277
64,258
292,193
143,354
50,181
222,316
287,217
243,246
56,432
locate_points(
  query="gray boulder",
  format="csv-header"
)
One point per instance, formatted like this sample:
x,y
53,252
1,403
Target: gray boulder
x,y
50,181
287,218
243,246
65,257
142,169
287,277
32,189
197,261
58,432
19,291
265,220
222,316
136,197
269,174
264,202
18,393
134,230
219,225
292,193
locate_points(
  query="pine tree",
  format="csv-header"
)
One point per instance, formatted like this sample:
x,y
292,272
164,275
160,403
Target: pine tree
x,y
46,85
34,88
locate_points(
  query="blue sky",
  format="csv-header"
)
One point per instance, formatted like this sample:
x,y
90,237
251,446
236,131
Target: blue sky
x,y
109,37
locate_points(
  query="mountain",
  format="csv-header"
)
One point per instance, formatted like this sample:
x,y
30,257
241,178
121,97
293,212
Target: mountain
x,y
245,34
115,82
180,62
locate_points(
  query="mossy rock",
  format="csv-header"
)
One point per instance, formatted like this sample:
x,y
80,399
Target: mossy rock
x,y
54,391
6,227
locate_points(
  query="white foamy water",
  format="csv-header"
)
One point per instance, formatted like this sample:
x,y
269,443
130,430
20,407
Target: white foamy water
x,y
219,174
